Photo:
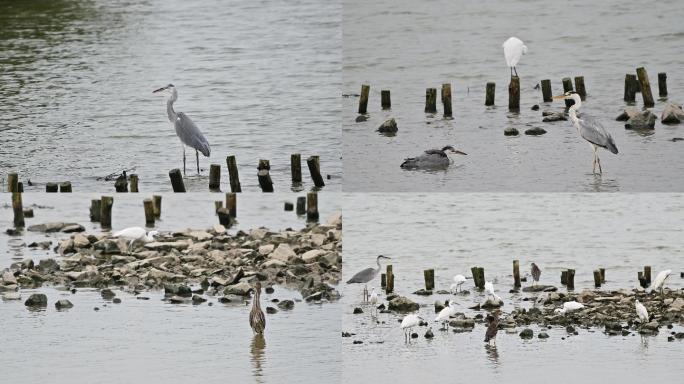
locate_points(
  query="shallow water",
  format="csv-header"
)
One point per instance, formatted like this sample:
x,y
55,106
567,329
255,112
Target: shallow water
x,y
406,48
260,78
452,233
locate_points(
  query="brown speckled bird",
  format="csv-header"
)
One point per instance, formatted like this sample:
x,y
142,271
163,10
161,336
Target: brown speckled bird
x,y
536,273
492,329
257,320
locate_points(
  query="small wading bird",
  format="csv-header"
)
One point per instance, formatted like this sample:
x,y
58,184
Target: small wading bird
x,y
589,128
446,313
186,130
489,290
432,158
659,282
408,323
514,48
374,301
135,234
492,328
366,275
536,273
641,312
569,306
257,320
458,282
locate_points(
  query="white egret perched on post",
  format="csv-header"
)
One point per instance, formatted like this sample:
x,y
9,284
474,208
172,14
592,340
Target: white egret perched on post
x,y
446,313
134,234
569,306
659,282
641,312
589,128
186,130
514,48
366,275
407,324
458,282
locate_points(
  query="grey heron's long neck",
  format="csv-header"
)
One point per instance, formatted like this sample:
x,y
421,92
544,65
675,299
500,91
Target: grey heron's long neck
x,y
572,111
169,106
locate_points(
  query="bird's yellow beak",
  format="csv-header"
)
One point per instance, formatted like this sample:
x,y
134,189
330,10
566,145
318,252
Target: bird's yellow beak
x,y
559,97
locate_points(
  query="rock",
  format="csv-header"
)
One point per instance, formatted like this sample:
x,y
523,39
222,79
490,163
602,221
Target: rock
x,y
653,326
107,246
358,311
52,227
414,335
539,288
462,323
240,289
81,241
11,296
642,120
677,305
492,303
535,107
627,113
312,255
534,312
535,131
438,306
361,118
36,300
526,334
510,131
166,246
269,290
422,292
402,304
613,327
389,126
197,299
273,263
219,229
8,278
550,116
266,249
107,294
271,310
570,329
41,244
282,253
429,334
116,300
672,114
70,228
63,304
286,304
177,289
176,300
543,335
66,247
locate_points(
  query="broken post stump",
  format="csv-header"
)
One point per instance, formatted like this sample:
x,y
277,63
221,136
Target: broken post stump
x,y
579,87
446,100
296,167
645,85
312,206
215,177
157,199
315,170
231,203
18,209
148,205
630,88
546,90
264,176
231,162
134,182
385,101
514,94
516,273
363,100
431,100
567,87
489,94
95,210
662,85
429,276
106,203
176,180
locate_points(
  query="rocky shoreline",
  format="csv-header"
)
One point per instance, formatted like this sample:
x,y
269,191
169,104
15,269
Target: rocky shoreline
x,y
188,265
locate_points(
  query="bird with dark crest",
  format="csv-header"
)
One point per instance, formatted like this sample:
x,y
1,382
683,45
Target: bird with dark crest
x,y
257,320
432,159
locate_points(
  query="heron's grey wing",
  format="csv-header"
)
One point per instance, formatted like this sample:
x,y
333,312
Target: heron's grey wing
x,y
362,277
190,135
593,131
435,152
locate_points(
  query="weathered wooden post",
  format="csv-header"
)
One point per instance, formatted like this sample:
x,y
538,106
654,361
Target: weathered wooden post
x,y
647,274
597,278
514,94
431,100
134,182
446,99
546,90
215,177
564,277
662,85
233,174
363,100
157,199
301,205
217,204
489,93
121,183
516,273
264,176
18,209
296,167
383,280
12,182
315,170
642,279
28,213
95,210
288,206
148,205
176,180
312,206
385,101
106,203
231,203
51,187
630,88
65,187
645,87
389,284
224,217
603,275
571,280
429,276
579,87
567,87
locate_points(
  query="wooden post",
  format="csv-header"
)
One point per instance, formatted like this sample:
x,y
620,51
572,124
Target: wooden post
x,y
148,205
312,206
157,199
12,182
645,87
446,99
51,187
363,100
95,210
315,170
231,203
662,84
389,284
597,278
647,274
642,279
301,205
383,280
564,277
217,205
215,177
516,273
489,94
431,100
385,101
233,174
630,88
264,177
224,217
106,211
579,86
429,276
134,182
546,90
571,279
603,275
296,167
567,87
514,94
65,187
18,209
121,183
288,206
176,180
473,271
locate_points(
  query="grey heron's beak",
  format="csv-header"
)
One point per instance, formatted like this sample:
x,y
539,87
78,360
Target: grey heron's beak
x,y
159,90
460,153
559,97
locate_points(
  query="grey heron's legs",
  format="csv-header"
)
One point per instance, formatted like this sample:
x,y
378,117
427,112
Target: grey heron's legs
x,y
197,158
183,159
594,162
598,160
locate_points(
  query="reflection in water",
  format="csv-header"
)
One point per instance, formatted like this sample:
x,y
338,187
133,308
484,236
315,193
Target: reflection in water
x,y
257,349
598,183
492,354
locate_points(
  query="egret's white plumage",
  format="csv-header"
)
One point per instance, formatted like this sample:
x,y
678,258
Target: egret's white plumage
x,y
659,281
134,234
407,324
489,290
569,306
458,282
641,311
446,313
514,48
373,300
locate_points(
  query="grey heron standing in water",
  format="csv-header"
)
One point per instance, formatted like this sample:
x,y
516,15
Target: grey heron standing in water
x,y
366,275
186,130
589,128
432,159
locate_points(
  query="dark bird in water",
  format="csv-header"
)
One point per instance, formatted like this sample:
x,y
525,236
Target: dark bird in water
x,y
536,273
366,275
492,329
432,159
257,320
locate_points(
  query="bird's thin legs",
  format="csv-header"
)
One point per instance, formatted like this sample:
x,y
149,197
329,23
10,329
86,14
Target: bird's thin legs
x,y
594,162
516,71
183,159
365,293
598,160
197,157
511,71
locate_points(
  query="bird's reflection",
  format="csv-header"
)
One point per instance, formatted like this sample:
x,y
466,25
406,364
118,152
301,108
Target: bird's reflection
x,y
257,350
598,183
492,354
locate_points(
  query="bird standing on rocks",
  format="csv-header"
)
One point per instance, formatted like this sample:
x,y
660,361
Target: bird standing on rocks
x,y
134,234
445,314
257,320
408,323
641,312
659,281
492,328
536,273
458,282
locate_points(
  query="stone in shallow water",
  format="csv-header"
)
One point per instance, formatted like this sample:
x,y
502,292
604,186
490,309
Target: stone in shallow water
x,y
510,131
358,311
642,120
543,335
286,304
63,304
36,300
271,310
389,126
535,131
402,304
527,333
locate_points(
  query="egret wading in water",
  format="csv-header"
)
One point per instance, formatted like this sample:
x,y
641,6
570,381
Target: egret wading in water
x,y
408,323
458,282
536,273
257,320
589,128
659,282
514,48
446,313
186,130
432,159
641,311
374,301
134,234
492,328
366,276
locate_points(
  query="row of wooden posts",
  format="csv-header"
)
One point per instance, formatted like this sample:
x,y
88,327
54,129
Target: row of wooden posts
x,y
631,87
567,277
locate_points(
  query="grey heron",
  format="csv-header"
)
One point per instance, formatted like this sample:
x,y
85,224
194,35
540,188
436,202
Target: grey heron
x,y
659,281
589,128
135,234
186,130
367,275
641,312
492,328
408,323
446,313
432,159
536,273
514,48
257,320
458,282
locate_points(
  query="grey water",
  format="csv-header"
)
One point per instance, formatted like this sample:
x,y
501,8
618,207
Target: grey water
x,y
261,79
407,47
454,232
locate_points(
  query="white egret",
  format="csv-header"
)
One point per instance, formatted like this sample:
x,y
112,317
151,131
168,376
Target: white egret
x,y
407,324
659,281
446,313
569,306
514,48
458,282
641,312
489,290
134,234
373,300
